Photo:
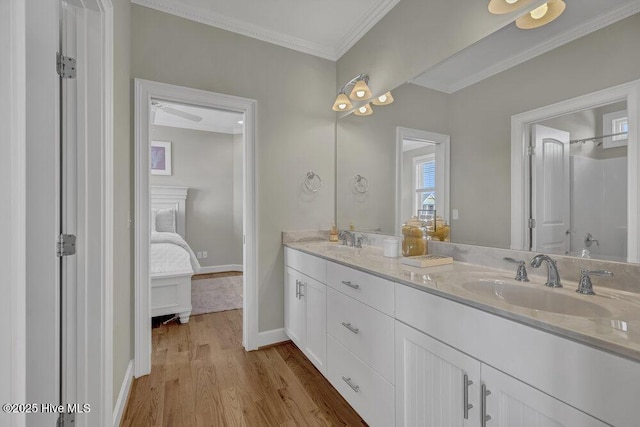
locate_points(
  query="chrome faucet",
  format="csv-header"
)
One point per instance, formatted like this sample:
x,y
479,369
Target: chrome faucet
x,y
347,236
553,277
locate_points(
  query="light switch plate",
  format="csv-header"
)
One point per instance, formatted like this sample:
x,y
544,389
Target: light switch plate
x,y
455,213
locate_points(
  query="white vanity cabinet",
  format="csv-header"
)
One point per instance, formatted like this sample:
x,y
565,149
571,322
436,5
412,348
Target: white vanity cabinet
x,y
305,306
549,381
360,330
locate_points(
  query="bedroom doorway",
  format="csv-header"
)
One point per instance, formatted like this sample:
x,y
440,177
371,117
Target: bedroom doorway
x,y
195,192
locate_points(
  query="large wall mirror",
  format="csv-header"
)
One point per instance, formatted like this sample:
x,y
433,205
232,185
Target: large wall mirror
x,y
591,179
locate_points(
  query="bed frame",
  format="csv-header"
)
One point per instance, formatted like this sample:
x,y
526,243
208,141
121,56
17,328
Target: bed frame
x,y
171,293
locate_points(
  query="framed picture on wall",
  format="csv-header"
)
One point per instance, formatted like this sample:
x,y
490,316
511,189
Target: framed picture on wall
x,y
160,158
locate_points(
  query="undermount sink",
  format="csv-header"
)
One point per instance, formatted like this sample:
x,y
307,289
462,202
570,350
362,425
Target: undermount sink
x,y
542,299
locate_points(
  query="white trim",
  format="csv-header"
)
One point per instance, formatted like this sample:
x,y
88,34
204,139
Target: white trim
x,y
220,268
274,336
145,90
214,19
520,192
12,253
568,36
443,151
123,396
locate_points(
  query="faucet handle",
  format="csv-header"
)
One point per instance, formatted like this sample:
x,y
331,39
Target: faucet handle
x,y
521,272
585,286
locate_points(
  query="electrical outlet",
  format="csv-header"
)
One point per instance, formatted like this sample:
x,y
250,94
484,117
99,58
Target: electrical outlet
x,y
204,254
198,255
455,214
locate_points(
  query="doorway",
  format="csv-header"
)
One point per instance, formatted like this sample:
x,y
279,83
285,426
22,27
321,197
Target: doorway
x,y
574,174
153,101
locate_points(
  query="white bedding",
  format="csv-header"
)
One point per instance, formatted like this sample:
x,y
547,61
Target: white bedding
x,y
171,254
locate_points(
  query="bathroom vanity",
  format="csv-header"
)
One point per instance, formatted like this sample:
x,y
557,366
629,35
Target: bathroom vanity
x,y
454,345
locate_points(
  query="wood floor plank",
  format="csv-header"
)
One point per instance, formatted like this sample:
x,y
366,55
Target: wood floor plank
x,y
202,377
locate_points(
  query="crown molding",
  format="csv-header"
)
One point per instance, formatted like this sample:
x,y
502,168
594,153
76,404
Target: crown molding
x,y
368,20
203,16
588,27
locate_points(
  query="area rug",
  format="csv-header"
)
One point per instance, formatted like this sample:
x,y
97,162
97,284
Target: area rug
x,y
216,294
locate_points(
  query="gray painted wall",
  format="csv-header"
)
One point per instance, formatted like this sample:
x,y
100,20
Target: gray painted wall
x,y
295,124
203,162
122,196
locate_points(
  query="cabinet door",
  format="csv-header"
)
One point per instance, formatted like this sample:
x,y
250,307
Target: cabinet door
x,y
512,403
430,382
314,295
294,317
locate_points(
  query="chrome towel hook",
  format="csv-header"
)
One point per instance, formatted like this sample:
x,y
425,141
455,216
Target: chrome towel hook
x,y
313,182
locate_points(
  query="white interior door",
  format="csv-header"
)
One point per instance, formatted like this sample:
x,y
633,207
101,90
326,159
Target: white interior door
x,y
550,192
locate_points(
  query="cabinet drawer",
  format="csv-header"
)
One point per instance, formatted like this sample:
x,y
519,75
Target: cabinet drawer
x,y
310,265
366,332
369,289
374,398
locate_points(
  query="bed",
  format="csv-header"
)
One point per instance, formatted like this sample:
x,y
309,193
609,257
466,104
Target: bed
x,y
172,262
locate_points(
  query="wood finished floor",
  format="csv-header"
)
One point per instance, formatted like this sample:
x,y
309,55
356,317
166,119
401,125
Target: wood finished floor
x,y
201,376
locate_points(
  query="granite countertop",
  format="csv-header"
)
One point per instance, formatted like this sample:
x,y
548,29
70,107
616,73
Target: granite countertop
x,y
617,331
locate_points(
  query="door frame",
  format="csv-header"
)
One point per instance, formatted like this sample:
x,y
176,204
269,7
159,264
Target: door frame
x,y
145,90
92,331
13,165
521,170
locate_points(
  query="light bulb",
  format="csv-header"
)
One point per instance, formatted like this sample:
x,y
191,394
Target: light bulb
x,y
360,93
383,98
342,106
240,122
363,109
539,12
511,1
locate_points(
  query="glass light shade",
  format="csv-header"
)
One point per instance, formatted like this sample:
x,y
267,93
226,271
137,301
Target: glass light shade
x,y
360,91
342,103
536,18
365,110
500,7
385,99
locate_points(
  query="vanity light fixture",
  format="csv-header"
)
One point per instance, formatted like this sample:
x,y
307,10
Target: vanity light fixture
x,y
541,15
364,110
500,7
385,99
359,91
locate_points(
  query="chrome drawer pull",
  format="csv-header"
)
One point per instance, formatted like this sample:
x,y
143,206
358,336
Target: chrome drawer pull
x,y
351,328
466,382
297,289
355,388
484,392
351,285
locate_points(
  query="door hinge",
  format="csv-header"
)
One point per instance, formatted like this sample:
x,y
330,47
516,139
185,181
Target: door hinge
x,y
66,420
65,66
66,245
532,223
531,150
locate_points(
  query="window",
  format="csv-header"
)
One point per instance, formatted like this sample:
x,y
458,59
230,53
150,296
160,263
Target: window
x,y
425,183
612,123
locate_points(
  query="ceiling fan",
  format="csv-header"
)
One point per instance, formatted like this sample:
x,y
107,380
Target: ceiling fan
x,y
157,105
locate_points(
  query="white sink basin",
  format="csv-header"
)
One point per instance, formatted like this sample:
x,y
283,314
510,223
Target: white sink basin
x,y
541,299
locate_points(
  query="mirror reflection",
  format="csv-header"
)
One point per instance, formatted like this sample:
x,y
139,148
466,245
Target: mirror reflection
x,y
586,199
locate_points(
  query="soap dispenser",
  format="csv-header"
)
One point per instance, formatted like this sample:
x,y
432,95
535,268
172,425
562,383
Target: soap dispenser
x,y
333,233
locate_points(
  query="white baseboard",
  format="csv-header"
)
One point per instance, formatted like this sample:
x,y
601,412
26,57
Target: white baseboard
x,y
220,268
273,336
123,396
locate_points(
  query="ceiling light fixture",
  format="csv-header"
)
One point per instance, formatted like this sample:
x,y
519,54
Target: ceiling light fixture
x,y
358,90
500,7
541,15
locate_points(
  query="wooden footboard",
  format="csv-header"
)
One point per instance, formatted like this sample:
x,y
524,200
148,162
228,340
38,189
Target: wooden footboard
x,y
171,294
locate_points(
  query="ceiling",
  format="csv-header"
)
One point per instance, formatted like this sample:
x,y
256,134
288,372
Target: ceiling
x,y
511,46
212,120
324,28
